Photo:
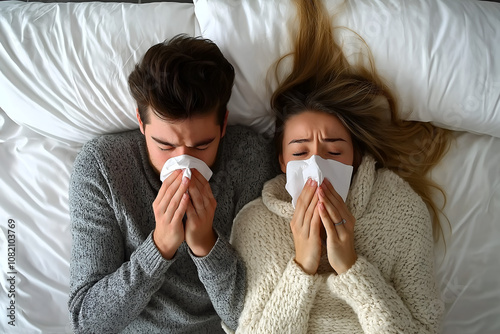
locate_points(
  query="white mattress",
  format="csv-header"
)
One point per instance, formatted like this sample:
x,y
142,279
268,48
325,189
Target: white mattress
x,y
63,72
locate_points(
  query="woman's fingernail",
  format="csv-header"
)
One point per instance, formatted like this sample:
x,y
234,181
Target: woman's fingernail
x,y
185,180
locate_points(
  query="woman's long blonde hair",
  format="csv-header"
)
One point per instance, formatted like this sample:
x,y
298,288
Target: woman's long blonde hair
x,y
322,79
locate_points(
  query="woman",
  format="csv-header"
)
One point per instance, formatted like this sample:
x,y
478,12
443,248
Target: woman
x,y
363,266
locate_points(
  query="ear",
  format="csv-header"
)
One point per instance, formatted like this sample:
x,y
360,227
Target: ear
x,y
141,125
282,163
225,124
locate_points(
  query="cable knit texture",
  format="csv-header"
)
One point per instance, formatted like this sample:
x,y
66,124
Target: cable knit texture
x,y
390,289
119,282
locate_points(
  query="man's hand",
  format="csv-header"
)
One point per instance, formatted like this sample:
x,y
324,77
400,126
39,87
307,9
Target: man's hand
x,y
169,208
200,235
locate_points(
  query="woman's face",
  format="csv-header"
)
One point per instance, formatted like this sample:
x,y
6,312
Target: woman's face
x,y
315,133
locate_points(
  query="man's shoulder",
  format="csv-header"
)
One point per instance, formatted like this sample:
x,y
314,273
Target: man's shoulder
x,y
248,156
112,139
109,150
236,131
242,139
111,143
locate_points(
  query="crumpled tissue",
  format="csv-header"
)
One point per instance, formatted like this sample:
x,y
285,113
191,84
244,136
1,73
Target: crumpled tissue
x,y
318,169
187,163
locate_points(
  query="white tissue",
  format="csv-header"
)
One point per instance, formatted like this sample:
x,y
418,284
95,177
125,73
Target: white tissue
x,y
187,163
317,169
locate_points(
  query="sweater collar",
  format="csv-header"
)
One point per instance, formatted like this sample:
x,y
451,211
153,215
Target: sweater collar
x,y
278,201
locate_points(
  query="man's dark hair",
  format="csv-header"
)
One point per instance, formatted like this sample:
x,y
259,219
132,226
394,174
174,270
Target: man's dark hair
x,y
180,78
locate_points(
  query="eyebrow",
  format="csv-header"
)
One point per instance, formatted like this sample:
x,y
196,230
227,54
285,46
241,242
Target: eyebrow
x,y
304,140
200,143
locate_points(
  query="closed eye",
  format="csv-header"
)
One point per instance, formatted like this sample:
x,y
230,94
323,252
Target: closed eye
x,y
298,154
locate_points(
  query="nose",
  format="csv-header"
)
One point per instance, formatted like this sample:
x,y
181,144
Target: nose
x,y
182,150
314,148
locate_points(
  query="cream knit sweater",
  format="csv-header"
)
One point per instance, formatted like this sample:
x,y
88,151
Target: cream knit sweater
x,y
390,289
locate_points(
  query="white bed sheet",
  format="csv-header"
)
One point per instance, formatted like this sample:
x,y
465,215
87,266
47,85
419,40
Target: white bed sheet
x,y
468,270
34,195
52,106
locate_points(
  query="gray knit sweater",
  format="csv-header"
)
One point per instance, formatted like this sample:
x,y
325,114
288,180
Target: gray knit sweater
x,y
119,282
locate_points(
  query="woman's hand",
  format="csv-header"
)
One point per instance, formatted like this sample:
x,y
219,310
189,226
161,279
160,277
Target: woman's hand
x,y
339,226
305,227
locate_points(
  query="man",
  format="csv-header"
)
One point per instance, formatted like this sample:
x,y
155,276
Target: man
x,y
152,257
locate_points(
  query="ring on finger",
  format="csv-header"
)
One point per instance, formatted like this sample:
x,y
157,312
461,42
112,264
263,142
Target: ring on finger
x,y
343,221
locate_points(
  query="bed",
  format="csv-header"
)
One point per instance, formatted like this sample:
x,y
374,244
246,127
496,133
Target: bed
x,y
63,71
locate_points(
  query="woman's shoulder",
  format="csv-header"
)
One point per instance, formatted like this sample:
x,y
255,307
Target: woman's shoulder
x,y
253,206
379,188
391,184
251,216
255,223
395,195
259,214
395,220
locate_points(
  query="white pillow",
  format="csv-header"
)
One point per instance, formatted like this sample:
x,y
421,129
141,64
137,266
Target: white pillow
x,y
65,66
439,56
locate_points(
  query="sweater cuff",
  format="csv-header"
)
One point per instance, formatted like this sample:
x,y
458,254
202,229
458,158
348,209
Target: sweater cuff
x,y
150,259
216,261
357,283
298,275
297,291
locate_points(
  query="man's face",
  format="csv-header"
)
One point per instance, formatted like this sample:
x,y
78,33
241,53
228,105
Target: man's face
x,y
197,136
